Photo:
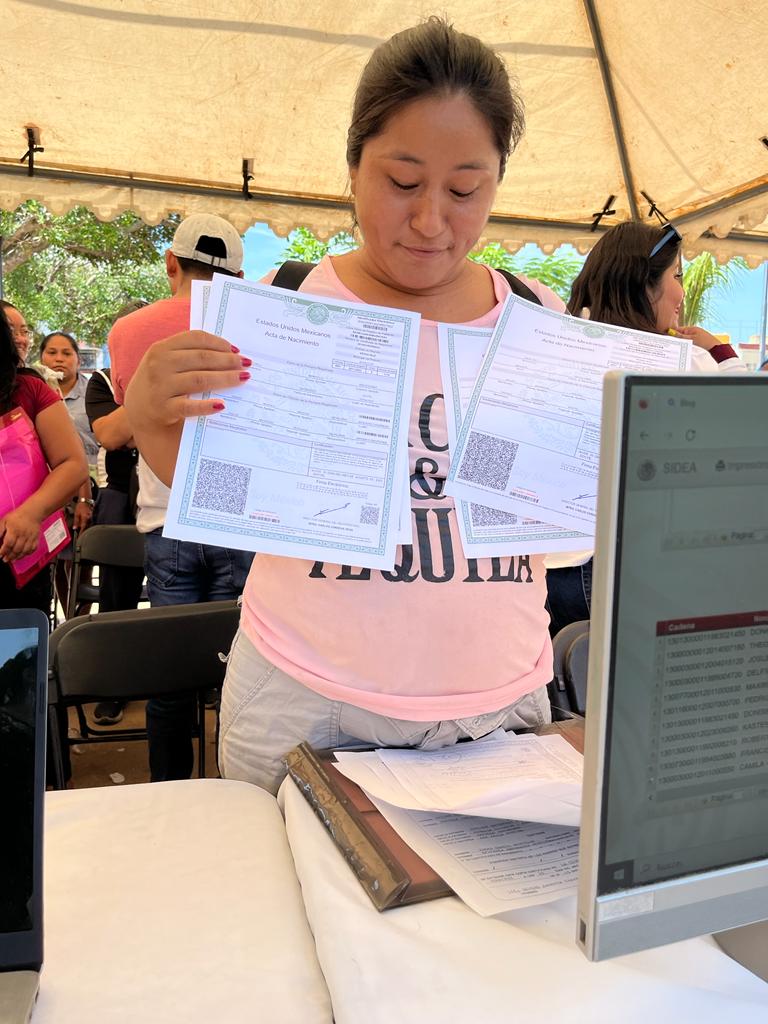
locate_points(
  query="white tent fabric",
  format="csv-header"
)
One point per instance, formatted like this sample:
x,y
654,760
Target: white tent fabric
x,y
152,105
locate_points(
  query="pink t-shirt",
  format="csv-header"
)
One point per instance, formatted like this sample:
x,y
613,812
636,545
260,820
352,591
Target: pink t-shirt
x,y
438,637
132,335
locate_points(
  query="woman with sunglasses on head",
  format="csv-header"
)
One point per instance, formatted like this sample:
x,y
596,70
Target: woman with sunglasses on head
x,y
631,278
441,648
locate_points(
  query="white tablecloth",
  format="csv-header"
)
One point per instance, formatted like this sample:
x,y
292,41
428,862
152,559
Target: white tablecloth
x,y
174,902
439,962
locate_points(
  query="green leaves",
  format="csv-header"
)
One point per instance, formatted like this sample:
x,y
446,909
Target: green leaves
x,y
307,248
703,274
557,270
74,273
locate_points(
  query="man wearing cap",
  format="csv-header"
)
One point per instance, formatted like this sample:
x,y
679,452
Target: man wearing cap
x,y
178,572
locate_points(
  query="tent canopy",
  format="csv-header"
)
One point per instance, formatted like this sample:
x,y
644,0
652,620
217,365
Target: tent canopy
x,y
153,105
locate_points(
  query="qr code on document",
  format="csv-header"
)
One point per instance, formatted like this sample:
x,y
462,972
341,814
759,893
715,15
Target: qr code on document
x,y
484,516
488,460
221,487
369,515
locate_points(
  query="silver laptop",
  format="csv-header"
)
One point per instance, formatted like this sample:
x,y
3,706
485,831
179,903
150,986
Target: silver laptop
x,y
674,839
23,699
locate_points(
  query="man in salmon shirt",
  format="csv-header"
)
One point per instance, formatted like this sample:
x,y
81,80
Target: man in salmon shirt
x,y
178,572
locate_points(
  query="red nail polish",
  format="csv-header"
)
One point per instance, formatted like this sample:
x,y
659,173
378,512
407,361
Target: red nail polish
x,y
235,349
246,361
218,406
245,375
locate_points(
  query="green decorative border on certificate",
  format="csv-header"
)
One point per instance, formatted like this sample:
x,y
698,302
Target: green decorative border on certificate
x,y
462,506
378,547
496,337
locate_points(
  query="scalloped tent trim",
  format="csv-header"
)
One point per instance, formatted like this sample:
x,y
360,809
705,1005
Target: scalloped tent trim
x,y
160,94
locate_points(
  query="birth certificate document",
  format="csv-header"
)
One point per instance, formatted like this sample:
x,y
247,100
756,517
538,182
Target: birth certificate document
x,y
308,458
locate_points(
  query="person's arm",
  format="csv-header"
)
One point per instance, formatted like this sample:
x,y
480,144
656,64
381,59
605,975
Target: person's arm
x,y
63,450
107,418
113,430
84,504
725,358
157,400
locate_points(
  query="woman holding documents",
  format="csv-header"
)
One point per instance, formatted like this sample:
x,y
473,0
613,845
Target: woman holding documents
x,y
20,521
631,278
441,647
634,278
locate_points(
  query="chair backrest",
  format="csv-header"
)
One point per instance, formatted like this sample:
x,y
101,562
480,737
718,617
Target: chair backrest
x,y
570,649
148,652
121,546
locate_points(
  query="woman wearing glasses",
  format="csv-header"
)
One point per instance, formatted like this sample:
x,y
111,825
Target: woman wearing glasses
x,y
22,335
632,278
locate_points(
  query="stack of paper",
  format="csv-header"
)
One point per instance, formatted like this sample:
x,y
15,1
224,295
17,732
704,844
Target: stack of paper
x,y
495,818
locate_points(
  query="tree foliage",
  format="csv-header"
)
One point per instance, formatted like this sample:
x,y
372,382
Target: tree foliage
x,y
557,270
74,273
700,277
307,248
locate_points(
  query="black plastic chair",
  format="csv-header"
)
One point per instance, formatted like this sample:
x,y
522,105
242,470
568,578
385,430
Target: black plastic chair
x,y
136,655
568,689
118,546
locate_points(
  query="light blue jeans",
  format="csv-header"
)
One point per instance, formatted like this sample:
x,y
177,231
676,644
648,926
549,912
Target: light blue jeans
x,y
265,713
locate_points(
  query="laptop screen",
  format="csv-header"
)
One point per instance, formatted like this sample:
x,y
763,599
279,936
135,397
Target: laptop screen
x,y
685,785
23,653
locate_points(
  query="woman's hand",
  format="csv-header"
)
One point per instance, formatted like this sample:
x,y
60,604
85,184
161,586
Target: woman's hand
x,y
700,337
82,516
20,533
178,367
157,400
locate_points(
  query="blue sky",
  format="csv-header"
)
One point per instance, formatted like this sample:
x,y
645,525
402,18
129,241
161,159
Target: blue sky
x,y
736,312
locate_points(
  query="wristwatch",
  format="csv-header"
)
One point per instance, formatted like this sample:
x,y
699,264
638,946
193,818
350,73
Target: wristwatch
x,y
86,501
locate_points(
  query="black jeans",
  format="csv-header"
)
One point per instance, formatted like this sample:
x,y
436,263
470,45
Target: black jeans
x,y
119,587
569,595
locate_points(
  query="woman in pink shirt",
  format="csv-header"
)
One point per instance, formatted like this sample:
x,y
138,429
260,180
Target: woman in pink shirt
x,y
442,647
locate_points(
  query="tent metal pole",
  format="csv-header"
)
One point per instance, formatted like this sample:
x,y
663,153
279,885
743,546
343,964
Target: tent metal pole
x,y
739,236
764,324
236,195
613,107
722,204
183,188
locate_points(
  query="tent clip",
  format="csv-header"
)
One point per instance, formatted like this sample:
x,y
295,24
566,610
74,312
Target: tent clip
x,y
653,210
33,146
605,212
247,176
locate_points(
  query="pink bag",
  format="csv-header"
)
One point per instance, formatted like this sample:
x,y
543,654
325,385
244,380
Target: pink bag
x,y
22,470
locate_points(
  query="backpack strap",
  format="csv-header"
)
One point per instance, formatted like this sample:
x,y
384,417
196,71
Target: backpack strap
x,y
291,274
107,377
518,288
